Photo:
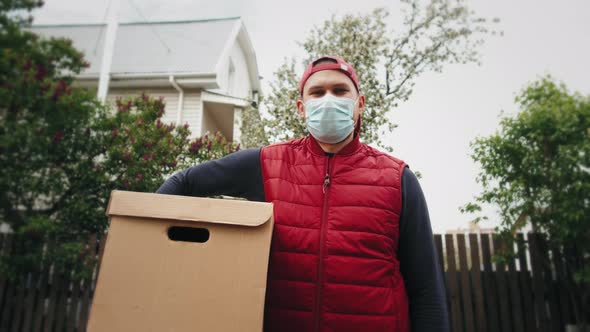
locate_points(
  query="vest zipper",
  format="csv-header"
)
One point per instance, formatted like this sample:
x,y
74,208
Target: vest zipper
x,y
323,227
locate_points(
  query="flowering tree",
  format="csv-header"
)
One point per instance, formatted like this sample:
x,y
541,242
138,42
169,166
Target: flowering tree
x,y
140,148
434,33
62,152
209,147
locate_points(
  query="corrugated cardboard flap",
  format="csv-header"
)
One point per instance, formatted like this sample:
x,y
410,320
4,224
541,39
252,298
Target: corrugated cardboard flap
x,y
220,211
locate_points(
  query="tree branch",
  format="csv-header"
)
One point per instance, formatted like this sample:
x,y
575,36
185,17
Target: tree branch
x,y
413,70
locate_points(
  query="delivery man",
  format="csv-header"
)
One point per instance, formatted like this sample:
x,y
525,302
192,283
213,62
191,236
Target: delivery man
x,y
352,247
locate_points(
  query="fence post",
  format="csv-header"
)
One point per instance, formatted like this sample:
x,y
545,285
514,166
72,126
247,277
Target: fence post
x,y
476,277
490,284
456,319
538,287
525,282
515,292
465,285
502,287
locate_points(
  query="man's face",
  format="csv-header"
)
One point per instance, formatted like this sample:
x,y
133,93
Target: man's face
x,y
334,82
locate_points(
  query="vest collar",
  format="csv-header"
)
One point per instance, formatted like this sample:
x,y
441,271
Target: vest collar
x,y
350,148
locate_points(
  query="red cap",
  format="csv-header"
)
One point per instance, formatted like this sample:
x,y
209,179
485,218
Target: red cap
x,y
340,65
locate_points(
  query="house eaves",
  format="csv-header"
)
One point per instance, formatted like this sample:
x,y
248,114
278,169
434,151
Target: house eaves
x,y
134,80
220,98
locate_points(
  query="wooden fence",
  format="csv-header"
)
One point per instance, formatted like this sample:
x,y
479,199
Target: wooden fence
x,y
47,301
522,295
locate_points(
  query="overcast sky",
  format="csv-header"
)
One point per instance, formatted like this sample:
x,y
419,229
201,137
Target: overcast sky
x,y
446,111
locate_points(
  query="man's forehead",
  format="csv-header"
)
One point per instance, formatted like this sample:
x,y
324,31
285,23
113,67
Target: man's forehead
x,y
326,78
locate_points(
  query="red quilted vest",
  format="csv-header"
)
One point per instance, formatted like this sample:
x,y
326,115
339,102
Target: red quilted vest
x,y
333,262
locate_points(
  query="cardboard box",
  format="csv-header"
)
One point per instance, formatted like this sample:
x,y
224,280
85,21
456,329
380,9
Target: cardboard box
x,y
150,282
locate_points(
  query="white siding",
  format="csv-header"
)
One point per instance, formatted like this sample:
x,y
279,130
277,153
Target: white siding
x,y
240,83
192,112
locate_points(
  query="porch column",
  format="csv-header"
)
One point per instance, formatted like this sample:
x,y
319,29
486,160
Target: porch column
x,y
237,125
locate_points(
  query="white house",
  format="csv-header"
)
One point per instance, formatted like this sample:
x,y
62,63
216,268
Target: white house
x,y
205,69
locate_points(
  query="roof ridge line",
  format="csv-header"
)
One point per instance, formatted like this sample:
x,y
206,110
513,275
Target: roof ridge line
x,y
184,21
135,23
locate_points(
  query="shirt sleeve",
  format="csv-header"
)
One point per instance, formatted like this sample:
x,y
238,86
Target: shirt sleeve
x,y
238,174
419,264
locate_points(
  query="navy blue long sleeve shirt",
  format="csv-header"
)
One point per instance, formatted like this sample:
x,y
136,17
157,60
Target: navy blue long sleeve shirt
x,y
239,174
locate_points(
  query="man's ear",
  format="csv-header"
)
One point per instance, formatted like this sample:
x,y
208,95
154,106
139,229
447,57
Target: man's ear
x,y
361,104
301,109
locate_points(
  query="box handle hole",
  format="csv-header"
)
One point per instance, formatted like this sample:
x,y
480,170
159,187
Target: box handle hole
x,y
188,234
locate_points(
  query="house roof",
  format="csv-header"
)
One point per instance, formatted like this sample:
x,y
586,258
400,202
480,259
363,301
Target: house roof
x,y
151,48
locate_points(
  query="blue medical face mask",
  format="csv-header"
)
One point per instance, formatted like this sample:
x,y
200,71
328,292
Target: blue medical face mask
x,y
330,119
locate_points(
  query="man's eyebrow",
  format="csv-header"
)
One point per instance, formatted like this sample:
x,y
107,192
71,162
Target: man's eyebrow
x,y
314,87
341,85
336,85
